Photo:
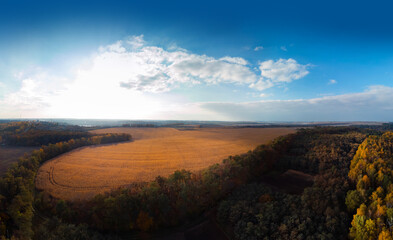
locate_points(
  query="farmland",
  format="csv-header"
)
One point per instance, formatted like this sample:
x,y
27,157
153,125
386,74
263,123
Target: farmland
x,y
10,154
85,172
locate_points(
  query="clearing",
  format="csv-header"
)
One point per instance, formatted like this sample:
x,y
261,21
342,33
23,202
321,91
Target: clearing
x,y
291,181
87,171
10,155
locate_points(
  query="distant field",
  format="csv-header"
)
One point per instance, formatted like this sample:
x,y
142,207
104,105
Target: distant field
x,y
87,171
9,155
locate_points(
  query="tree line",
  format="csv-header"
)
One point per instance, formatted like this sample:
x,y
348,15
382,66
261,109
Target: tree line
x,y
38,133
17,189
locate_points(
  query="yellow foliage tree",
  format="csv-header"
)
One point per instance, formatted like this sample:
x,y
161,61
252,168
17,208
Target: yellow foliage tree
x,y
366,181
371,229
381,211
385,235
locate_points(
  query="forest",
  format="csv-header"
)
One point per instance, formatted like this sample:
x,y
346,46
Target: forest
x,y
35,133
351,195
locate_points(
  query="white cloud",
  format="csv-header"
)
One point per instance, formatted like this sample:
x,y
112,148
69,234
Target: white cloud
x,y
283,70
128,79
25,101
284,48
116,47
154,69
332,81
118,81
236,60
136,41
374,104
258,48
154,83
18,75
206,69
279,72
262,84
34,95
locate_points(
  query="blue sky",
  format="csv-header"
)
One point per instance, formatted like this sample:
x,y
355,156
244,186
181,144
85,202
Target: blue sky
x,y
204,60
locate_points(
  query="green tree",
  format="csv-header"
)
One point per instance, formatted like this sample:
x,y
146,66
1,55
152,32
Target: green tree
x,y
353,200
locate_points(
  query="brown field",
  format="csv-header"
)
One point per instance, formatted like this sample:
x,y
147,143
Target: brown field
x,y
9,155
85,172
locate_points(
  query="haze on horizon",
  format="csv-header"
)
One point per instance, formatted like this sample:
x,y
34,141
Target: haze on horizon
x,y
201,60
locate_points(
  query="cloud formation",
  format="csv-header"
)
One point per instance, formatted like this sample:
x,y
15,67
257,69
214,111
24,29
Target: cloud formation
x,y
26,98
154,69
374,104
279,72
332,81
258,48
131,79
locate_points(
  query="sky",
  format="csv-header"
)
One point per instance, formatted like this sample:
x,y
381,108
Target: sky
x,y
197,60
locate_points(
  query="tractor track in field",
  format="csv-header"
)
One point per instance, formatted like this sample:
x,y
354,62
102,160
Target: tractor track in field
x,y
52,180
